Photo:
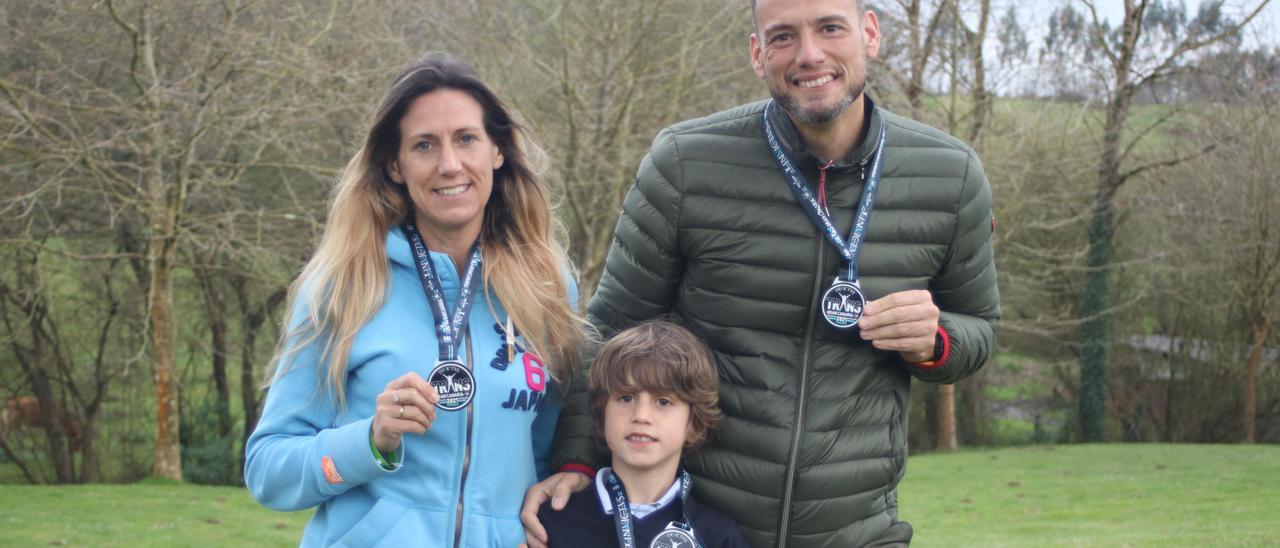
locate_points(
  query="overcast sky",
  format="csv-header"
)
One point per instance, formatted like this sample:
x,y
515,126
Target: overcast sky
x,y
1033,14
1265,28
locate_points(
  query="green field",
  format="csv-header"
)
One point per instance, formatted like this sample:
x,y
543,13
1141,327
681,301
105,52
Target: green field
x,y
1080,495
148,514
1096,495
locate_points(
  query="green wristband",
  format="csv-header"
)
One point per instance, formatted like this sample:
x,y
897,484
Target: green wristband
x,y
384,460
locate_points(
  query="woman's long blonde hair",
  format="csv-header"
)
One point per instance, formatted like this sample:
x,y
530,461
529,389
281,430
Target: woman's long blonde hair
x,y
525,266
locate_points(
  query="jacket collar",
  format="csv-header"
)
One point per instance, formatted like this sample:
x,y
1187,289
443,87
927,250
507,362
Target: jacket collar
x,y
640,511
791,139
398,253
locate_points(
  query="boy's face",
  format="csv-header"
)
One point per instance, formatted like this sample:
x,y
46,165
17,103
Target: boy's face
x,y
646,431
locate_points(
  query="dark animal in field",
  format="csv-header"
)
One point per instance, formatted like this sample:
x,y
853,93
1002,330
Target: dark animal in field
x,y
24,411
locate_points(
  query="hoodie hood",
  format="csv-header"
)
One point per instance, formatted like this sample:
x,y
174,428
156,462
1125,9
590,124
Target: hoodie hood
x,y
400,255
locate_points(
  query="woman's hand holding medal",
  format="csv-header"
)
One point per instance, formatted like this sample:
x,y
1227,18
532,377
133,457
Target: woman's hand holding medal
x,y
906,321
408,404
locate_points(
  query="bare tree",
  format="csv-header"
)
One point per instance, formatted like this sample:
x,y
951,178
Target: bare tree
x,y
966,66
911,34
1142,51
917,35
598,80
39,357
153,114
1245,231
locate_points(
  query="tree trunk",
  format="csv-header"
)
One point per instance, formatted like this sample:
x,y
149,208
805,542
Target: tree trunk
x,y
217,318
1171,361
164,199
920,49
218,334
248,388
928,393
1095,329
981,98
1261,327
254,319
919,60
50,413
89,468
946,433
947,417
41,357
168,451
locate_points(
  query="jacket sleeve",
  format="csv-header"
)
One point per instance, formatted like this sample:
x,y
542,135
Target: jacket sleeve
x,y
641,275
965,288
296,457
543,430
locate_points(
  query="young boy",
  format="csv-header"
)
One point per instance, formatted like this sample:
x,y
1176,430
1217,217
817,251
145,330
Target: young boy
x,y
653,391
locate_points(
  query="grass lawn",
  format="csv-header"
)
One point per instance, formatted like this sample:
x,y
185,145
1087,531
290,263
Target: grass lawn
x,y
147,514
1078,495
1096,495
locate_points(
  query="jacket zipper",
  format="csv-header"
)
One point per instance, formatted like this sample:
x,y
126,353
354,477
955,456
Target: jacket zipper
x,y
792,461
798,428
466,457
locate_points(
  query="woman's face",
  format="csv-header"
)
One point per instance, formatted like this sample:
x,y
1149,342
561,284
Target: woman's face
x,y
446,160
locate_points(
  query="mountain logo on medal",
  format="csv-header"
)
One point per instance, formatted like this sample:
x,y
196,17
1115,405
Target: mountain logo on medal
x,y
455,385
842,305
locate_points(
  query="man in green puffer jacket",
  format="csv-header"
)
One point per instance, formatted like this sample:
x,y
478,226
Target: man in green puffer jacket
x,y
813,441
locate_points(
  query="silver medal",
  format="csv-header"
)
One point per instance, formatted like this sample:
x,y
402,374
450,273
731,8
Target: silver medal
x,y
454,383
673,536
842,304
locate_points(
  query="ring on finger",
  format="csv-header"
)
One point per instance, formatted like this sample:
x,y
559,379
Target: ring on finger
x,y
402,411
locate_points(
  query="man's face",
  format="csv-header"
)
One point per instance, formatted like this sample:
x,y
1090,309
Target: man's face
x,y
813,55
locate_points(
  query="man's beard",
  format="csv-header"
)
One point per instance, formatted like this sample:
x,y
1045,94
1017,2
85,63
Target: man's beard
x,y
816,116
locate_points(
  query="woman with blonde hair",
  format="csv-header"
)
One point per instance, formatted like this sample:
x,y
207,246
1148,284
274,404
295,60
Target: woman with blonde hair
x,y
414,397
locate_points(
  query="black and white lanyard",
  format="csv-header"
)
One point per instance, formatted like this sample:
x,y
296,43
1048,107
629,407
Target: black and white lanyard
x,y
850,248
622,509
448,329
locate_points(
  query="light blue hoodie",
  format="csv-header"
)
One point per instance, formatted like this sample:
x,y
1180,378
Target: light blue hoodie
x,y
437,479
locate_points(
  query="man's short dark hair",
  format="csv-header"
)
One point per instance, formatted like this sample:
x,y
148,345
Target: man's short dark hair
x,y
860,4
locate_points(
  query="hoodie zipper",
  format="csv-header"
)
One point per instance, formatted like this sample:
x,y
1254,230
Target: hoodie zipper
x,y
466,457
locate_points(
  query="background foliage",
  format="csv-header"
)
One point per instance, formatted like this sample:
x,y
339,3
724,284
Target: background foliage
x,y
164,169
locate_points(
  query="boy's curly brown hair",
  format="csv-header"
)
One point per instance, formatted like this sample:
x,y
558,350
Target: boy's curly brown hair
x,y
663,358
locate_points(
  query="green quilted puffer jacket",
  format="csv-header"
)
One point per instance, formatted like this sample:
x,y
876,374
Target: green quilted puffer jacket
x,y
814,437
